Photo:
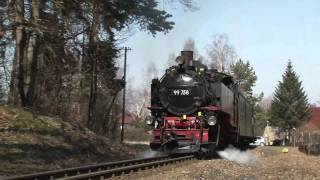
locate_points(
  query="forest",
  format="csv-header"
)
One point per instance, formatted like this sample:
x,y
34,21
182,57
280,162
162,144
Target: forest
x,y
61,58
58,57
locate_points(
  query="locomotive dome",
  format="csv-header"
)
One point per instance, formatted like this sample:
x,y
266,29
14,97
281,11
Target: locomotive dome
x,y
181,89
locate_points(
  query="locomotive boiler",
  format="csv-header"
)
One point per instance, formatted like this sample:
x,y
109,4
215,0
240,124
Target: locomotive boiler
x,y
196,107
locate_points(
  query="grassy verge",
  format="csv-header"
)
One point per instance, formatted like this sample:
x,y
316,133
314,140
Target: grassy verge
x,y
31,143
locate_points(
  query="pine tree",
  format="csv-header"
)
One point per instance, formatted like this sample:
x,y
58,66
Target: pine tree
x,y
245,74
289,107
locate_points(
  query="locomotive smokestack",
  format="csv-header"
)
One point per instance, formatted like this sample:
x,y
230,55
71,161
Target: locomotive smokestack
x,y
187,57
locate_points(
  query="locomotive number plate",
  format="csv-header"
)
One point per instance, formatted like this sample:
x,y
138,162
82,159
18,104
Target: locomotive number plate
x,y
180,92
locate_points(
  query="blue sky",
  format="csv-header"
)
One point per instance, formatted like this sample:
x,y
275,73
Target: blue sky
x,y
266,32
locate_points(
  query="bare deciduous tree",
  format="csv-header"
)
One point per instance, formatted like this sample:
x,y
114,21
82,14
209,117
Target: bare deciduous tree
x,y
139,108
221,53
6,50
189,5
265,103
152,71
171,60
190,45
139,98
318,102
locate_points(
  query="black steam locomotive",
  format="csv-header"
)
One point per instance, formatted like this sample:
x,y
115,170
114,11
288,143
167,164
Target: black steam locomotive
x,y
194,107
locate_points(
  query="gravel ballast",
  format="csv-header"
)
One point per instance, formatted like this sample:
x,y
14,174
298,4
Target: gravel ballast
x,y
259,163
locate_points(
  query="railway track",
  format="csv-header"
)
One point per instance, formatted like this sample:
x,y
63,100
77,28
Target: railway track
x,y
104,170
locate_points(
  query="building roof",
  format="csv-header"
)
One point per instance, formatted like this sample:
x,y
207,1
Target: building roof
x,y
314,122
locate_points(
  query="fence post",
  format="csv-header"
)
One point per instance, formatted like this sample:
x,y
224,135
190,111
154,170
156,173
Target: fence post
x,y
294,137
294,140
309,143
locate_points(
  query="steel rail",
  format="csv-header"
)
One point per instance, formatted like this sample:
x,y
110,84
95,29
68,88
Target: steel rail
x,y
55,174
126,170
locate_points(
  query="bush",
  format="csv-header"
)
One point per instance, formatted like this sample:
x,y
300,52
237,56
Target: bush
x,y
136,134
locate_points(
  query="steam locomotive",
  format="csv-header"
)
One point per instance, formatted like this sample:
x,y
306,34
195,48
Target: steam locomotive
x,y
197,108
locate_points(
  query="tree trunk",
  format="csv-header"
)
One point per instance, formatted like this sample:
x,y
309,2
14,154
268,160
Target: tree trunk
x,y
20,37
93,35
24,70
32,58
105,123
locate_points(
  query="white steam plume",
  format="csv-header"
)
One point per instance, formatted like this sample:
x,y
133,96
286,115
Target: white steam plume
x,y
148,154
236,155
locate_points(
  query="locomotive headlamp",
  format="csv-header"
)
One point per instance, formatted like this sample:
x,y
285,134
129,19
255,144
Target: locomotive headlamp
x,y
170,135
149,120
212,120
186,78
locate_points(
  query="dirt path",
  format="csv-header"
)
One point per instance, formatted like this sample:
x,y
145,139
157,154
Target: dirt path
x,y
259,163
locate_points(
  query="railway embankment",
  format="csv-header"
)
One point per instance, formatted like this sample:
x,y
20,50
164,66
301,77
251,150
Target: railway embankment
x,y
30,143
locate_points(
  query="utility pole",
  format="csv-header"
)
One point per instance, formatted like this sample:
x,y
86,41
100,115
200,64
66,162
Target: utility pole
x,y
124,92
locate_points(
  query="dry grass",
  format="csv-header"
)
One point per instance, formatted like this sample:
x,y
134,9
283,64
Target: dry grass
x,y
271,164
137,134
31,143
